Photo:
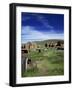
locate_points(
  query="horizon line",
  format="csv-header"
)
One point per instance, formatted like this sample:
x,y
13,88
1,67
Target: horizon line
x,y
40,40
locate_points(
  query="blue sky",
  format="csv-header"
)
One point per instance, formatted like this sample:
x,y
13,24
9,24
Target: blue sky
x,y
36,27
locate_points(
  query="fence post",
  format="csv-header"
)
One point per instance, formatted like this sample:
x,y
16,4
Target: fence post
x,y
24,63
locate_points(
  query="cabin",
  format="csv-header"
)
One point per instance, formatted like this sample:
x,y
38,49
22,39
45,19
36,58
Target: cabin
x,y
29,46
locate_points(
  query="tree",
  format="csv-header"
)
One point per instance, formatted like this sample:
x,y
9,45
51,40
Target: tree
x,y
46,45
58,43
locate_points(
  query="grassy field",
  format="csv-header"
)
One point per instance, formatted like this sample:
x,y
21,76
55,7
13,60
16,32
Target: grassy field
x,y
50,62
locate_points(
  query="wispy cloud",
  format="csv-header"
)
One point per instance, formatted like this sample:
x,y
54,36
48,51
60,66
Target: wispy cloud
x,y
43,21
37,17
30,33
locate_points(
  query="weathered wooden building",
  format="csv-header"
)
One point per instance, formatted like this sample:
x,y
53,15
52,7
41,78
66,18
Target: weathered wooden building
x,y
29,46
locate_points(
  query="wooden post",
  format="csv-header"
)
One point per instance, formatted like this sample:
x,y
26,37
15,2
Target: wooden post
x,y
24,64
24,60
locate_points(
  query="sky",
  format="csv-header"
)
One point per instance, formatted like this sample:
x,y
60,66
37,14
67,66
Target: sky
x,y
40,26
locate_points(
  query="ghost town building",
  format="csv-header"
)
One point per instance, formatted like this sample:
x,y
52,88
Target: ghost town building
x,y
29,46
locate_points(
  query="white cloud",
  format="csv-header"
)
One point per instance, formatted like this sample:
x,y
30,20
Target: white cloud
x,y
29,33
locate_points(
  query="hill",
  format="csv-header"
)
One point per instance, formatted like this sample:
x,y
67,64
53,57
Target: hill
x,y
49,41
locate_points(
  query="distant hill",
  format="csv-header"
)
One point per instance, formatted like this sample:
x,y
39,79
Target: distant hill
x,y
41,44
49,41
